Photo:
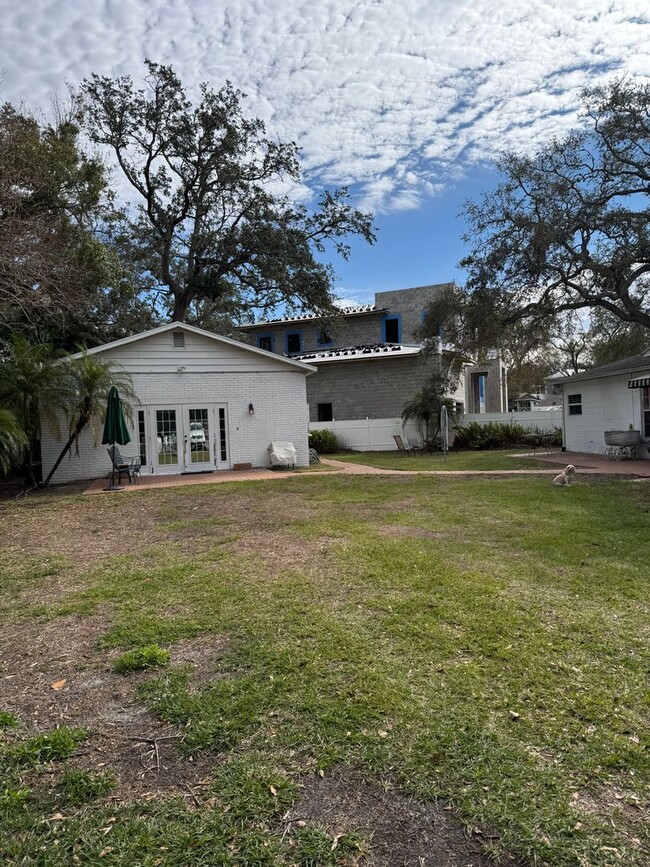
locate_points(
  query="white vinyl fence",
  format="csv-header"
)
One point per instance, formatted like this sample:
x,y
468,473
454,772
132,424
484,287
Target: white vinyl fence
x,y
376,434
536,419
369,434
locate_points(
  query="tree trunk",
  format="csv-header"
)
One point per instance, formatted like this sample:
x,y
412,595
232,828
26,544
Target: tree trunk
x,y
181,306
28,467
73,436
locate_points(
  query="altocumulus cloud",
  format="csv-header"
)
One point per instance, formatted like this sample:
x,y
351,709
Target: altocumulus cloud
x,y
394,97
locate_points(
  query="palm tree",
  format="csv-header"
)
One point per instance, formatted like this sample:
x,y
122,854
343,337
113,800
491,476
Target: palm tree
x,y
85,382
12,440
29,382
424,408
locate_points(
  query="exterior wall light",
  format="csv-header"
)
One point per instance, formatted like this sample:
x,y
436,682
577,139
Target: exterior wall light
x,y
251,409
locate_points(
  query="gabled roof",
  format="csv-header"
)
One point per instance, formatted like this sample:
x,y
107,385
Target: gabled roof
x,y
362,353
616,368
192,329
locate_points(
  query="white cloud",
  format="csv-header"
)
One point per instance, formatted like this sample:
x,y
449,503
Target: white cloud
x,y
394,96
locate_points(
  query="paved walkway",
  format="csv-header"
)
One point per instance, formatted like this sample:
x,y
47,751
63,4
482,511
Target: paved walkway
x,y
99,485
594,464
585,463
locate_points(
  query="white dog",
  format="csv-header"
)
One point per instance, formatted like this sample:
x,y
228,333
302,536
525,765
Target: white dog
x,y
565,477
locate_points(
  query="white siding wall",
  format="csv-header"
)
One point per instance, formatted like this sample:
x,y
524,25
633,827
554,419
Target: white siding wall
x,y
607,404
213,374
157,354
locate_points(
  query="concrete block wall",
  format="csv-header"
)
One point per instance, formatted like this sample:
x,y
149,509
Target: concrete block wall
x,y
377,388
352,331
279,400
496,386
410,304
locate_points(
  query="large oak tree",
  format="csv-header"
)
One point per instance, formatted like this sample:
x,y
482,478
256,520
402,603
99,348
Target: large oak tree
x,y
209,226
51,194
567,229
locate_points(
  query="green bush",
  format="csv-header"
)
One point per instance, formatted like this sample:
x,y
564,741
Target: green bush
x,y
149,656
324,441
7,720
500,435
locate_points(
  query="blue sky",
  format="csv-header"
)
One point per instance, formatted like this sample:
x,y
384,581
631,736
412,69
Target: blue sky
x,y
404,101
414,247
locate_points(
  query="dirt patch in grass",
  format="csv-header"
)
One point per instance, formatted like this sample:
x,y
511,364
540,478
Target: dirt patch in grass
x,y
201,655
54,675
608,799
398,830
91,530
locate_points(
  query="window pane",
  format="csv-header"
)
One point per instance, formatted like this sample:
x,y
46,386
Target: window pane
x,y
142,439
222,435
575,404
325,412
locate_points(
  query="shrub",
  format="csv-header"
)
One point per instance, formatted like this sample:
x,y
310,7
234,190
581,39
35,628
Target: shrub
x,y
7,720
149,656
324,441
499,435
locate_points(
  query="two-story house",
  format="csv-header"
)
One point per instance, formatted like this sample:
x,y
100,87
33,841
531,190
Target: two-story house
x,y
371,363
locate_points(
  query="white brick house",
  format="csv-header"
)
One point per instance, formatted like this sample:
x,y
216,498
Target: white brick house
x,y
204,403
612,397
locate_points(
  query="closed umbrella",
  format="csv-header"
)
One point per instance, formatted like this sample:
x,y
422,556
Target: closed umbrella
x,y
444,430
115,429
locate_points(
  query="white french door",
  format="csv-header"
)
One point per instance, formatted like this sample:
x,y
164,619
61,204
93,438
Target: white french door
x,y
198,441
164,439
186,439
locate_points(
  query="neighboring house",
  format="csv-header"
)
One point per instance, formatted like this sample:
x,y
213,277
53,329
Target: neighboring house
x,y
531,402
526,402
612,397
486,386
205,403
373,364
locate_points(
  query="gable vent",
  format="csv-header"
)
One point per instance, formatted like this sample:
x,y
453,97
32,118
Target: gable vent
x,y
178,339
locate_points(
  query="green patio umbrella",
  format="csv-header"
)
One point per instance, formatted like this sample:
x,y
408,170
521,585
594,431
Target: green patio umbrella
x,y
115,429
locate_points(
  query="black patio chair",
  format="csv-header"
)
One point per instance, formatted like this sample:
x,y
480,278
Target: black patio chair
x,y
129,467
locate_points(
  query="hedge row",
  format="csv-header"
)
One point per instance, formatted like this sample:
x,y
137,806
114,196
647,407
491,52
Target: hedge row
x,y
499,435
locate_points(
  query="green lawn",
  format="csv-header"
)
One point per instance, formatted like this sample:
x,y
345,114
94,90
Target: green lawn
x,y
480,461
483,641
